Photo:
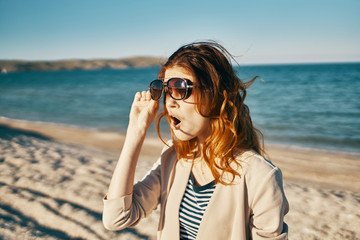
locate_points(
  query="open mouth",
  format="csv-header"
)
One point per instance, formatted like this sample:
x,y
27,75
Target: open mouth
x,y
175,122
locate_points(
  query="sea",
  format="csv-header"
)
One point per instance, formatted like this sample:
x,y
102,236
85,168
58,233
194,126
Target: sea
x,y
306,105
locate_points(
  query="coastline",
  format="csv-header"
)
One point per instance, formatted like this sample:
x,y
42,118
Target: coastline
x,y
7,66
84,137
54,177
326,168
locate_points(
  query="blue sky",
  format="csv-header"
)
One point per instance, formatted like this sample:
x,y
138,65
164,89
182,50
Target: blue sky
x,y
267,31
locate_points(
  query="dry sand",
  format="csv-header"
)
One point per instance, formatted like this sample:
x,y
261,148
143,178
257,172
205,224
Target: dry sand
x,y
53,178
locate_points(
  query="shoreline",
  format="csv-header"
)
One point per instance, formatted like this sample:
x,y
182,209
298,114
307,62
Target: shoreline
x,y
84,137
321,167
37,126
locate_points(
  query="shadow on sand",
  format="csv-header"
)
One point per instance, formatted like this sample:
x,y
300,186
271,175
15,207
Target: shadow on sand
x,y
8,133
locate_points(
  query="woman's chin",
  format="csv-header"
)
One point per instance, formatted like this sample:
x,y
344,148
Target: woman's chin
x,y
181,136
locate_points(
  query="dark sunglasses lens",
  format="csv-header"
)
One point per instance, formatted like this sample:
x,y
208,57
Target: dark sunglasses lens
x,y
156,88
177,88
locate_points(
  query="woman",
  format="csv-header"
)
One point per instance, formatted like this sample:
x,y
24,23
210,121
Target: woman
x,y
211,181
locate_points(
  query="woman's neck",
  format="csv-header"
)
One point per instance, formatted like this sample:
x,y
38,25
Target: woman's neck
x,y
201,171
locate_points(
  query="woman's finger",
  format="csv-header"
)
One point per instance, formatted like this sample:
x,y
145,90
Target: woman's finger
x,y
137,96
143,95
148,96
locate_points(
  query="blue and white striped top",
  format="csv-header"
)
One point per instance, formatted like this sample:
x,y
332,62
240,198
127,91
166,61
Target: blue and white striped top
x,y
193,206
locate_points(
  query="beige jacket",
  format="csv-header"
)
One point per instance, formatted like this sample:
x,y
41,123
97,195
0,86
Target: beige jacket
x,y
253,207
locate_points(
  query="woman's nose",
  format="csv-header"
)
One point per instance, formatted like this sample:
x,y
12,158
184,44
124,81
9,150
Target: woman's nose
x,y
170,102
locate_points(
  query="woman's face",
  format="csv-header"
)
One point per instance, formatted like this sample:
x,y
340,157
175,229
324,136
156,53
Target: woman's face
x,y
185,119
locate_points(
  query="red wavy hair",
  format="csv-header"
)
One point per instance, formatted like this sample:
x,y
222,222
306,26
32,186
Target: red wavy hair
x,y
224,94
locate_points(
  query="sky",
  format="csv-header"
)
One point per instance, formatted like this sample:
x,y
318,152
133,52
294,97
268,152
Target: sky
x,y
255,31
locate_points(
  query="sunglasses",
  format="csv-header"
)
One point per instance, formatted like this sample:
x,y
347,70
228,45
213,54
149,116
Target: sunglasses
x,y
178,88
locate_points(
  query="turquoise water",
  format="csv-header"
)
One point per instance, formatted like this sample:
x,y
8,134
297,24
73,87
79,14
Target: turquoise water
x,y
313,105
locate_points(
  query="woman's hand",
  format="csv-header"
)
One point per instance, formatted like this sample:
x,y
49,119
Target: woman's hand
x,y
143,111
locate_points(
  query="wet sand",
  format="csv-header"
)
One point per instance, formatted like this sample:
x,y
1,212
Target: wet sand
x,y
53,179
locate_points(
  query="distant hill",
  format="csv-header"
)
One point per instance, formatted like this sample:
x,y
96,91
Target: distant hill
x,y
123,63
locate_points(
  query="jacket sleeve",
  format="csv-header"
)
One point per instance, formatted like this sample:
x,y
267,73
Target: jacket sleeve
x,y
128,210
268,207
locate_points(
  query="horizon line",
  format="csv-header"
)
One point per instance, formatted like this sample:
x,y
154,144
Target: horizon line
x,y
157,57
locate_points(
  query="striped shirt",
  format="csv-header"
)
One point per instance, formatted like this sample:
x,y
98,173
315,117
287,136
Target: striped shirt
x,y
192,207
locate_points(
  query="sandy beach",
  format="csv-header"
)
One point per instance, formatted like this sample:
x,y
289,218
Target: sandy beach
x,y
53,179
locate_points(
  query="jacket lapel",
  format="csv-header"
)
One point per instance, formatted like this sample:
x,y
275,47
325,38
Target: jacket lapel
x,y
171,223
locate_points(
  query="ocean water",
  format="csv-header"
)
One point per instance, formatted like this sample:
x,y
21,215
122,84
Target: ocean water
x,y
311,105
